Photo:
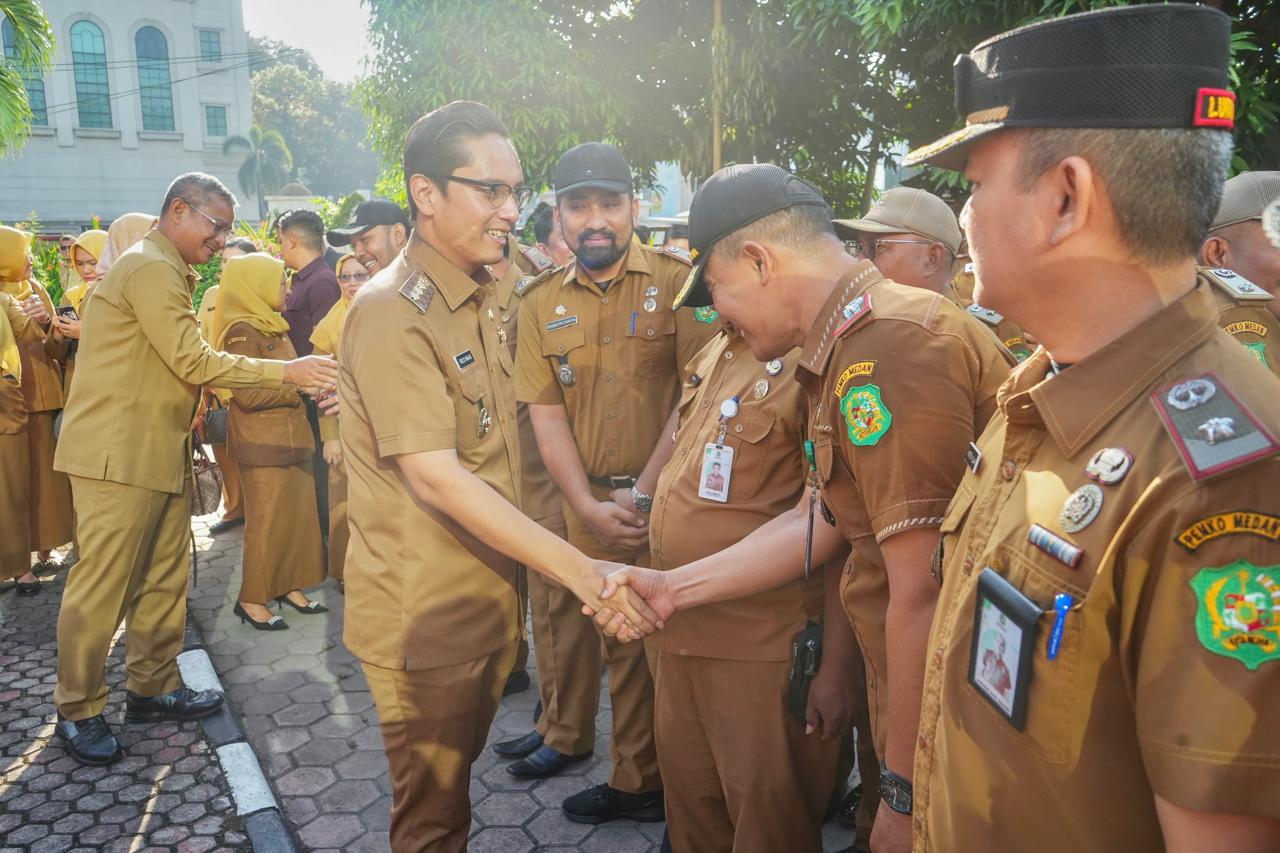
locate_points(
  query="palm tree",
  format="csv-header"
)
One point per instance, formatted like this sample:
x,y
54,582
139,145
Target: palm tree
x,y
266,164
28,51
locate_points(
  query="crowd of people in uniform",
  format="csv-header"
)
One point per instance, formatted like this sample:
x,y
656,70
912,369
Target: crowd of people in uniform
x,y
994,492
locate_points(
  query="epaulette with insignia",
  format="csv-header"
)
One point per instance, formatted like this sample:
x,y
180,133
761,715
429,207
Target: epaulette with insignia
x,y
419,290
853,312
1211,428
677,252
536,258
986,315
1237,286
530,282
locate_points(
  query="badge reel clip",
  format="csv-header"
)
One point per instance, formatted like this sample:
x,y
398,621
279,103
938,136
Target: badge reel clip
x,y
717,459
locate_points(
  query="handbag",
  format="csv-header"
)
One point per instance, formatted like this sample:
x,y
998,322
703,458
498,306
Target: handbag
x,y
206,493
215,425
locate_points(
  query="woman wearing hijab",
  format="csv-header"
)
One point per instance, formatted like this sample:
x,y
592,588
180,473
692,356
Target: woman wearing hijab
x,y
351,277
270,436
50,500
86,251
126,230
16,329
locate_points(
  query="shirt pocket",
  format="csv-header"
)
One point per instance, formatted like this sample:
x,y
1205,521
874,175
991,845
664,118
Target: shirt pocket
x,y
470,406
567,346
749,438
651,345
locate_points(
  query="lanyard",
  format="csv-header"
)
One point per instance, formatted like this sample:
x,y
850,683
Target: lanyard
x,y
813,498
728,409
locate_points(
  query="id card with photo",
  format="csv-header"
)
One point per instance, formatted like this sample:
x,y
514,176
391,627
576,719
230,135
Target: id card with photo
x,y
717,468
1004,632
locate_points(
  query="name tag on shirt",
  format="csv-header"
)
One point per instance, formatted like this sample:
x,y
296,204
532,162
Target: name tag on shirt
x,y
464,359
1004,633
717,468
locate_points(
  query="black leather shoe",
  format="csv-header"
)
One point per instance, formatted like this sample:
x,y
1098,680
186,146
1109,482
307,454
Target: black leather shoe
x,y
518,747
537,712
847,816
602,803
90,741
181,704
517,682
28,589
544,762
224,525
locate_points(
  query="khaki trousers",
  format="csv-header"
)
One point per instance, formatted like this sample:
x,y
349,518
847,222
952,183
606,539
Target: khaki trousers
x,y
15,498
434,725
740,774
339,532
134,547
52,523
232,501
568,719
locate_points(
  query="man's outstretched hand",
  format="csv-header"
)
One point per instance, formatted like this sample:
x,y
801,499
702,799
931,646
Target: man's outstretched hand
x,y
629,584
631,617
314,374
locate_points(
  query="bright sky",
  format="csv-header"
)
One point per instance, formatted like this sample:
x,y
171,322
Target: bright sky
x,y
333,31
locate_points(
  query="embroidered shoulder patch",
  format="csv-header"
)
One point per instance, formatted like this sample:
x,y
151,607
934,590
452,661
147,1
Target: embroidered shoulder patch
x,y
678,253
419,290
237,340
865,414
853,371
986,315
1211,429
1259,351
705,315
853,312
536,258
1246,327
1238,612
1207,529
1237,286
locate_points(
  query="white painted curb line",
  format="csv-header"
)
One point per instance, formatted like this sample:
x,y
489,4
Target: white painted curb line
x,y
248,786
197,671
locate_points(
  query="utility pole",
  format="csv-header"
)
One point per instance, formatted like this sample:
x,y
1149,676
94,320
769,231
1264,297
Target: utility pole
x,y
717,36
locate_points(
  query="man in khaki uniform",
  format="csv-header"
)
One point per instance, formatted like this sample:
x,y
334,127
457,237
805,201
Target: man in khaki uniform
x,y
1117,530
914,239
376,233
888,432
430,440
599,362
126,445
1245,267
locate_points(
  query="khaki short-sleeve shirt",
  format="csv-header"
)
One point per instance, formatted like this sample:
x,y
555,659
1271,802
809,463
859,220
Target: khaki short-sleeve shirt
x,y
1245,314
422,367
612,357
1167,673
766,479
899,382
1007,332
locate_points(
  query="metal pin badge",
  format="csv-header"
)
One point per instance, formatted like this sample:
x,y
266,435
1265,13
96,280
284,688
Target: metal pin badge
x,y
1081,508
761,389
774,367
566,374
1109,465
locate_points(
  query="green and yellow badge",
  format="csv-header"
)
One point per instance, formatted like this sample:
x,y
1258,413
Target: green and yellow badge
x,y
1238,611
705,315
1259,351
866,415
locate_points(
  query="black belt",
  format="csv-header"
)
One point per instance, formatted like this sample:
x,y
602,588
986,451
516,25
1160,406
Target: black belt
x,y
623,481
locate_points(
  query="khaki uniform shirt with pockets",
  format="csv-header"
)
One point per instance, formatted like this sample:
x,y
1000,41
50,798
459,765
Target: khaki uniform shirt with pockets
x,y
422,368
626,348
766,479
1244,312
899,382
1167,676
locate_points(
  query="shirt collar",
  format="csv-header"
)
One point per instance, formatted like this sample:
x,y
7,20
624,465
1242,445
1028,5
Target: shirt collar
x,y
170,252
1076,404
454,285
636,262
821,339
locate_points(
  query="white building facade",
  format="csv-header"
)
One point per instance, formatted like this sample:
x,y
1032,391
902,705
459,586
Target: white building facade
x,y
140,92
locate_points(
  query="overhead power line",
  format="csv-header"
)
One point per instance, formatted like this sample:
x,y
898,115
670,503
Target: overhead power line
x,y
96,99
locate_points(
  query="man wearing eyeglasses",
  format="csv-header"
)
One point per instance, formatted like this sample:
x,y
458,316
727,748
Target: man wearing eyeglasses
x,y
600,355
125,444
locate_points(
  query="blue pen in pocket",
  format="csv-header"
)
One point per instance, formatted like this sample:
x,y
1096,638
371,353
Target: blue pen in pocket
x,y
634,314
1061,606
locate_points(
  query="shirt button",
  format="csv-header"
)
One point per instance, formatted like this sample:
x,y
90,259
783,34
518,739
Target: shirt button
x,y
605,300
968,564
606,339
562,349
937,660
608,416
737,428
609,452
1008,469
924,742
608,377
649,332
920,821
728,355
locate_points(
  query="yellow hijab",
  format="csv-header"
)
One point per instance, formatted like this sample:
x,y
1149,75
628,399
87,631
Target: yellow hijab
x,y
13,260
123,233
10,357
249,293
93,242
326,333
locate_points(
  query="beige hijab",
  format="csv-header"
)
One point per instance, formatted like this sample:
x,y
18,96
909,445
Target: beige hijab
x,y
123,233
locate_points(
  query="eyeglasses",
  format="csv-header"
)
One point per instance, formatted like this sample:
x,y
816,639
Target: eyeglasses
x,y
869,248
219,228
360,277
498,193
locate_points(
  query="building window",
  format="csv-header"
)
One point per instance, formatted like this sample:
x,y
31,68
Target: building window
x,y
32,80
154,86
215,121
89,58
211,45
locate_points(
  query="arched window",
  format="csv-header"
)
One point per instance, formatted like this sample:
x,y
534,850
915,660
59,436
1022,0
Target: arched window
x,y
156,90
32,80
89,57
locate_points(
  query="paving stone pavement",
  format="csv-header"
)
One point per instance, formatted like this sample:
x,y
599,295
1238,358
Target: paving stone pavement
x,y
168,793
307,711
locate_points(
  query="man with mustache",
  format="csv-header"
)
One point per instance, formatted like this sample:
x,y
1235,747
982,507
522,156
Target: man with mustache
x,y
376,234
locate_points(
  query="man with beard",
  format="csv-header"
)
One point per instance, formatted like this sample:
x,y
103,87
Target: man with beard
x,y
376,234
600,355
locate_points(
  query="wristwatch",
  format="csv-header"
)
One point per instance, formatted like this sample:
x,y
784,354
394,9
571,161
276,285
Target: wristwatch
x,y
895,792
643,502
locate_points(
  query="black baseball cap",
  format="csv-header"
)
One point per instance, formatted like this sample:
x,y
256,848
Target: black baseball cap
x,y
592,165
733,198
1148,66
376,211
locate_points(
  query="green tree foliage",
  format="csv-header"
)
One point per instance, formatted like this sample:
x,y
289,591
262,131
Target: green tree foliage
x,y
32,53
267,163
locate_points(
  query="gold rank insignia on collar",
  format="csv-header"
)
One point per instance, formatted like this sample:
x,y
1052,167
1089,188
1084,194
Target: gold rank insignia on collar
x,y
419,290
1237,286
986,315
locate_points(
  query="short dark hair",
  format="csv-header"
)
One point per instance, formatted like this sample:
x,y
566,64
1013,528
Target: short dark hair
x,y
242,243
436,145
195,188
643,233
543,219
306,224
